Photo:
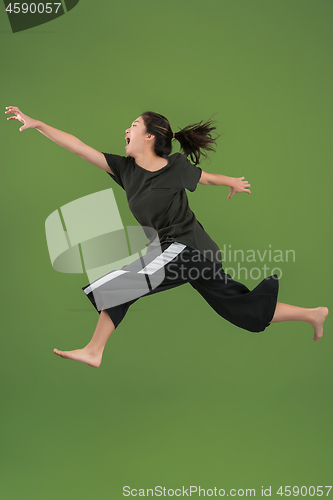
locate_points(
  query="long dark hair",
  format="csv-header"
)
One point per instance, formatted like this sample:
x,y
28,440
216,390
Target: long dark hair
x,y
194,139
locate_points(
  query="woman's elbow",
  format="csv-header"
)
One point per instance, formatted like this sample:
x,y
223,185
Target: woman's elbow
x,y
206,179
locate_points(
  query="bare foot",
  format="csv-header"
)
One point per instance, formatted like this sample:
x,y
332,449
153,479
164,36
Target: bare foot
x,y
83,355
319,316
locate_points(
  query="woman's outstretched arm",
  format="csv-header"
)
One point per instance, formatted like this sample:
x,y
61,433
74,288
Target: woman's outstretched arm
x,y
67,141
235,184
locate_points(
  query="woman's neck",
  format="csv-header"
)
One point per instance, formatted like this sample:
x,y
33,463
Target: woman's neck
x,y
150,161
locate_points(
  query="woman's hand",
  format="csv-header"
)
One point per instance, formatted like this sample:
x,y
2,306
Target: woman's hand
x,y
27,122
239,186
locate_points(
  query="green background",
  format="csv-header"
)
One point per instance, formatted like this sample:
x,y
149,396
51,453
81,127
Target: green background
x,y
182,397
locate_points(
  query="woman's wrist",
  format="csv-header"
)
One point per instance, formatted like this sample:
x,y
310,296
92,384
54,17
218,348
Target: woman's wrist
x,y
224,180
231,182
38,124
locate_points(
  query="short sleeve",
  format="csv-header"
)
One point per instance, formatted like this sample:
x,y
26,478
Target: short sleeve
x,y
117,164
190,175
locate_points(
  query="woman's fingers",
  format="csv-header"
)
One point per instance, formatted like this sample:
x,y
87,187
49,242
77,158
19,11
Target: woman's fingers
x,y
12,109
20,118
15,110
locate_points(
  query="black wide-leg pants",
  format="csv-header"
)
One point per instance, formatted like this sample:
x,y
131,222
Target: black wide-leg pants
x,y
175,264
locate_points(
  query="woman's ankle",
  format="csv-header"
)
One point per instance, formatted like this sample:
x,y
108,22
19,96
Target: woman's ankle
x,y
94,350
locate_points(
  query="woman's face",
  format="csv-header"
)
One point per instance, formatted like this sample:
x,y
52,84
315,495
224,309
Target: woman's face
x,y
136,138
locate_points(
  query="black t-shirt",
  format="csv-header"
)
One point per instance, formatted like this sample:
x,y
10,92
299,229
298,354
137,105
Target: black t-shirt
x,y
158,200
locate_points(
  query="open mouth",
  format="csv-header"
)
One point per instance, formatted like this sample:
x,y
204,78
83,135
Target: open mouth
x,y
127,140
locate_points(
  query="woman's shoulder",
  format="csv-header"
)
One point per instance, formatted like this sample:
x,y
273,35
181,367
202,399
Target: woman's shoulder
x,y
118,162
119,158
181,161
177,159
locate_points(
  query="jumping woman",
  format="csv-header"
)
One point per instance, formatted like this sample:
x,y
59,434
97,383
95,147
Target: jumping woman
x,y
154,182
